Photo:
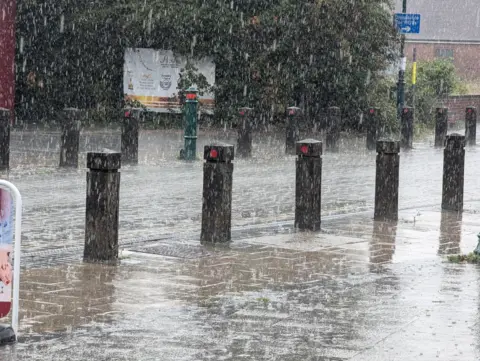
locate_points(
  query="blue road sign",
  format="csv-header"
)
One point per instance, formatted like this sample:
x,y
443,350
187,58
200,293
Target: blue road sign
x,y
407,23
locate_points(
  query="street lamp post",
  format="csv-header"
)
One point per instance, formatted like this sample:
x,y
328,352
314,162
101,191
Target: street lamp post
x,y
401,73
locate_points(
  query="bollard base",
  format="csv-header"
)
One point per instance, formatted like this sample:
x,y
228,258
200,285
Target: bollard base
x,y
7,335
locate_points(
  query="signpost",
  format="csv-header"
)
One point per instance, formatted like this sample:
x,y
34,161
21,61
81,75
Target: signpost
x,y
408,23
405,24
7,280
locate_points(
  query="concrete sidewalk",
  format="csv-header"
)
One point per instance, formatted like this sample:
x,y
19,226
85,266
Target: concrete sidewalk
x,y
358,290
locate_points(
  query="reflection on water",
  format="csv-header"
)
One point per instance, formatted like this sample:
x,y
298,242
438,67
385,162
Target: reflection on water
x,y
382,246
72,295
450,233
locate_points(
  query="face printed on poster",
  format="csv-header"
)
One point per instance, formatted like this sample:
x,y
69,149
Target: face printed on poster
x,y
6,238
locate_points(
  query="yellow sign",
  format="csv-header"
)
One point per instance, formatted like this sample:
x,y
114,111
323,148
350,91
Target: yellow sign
x,y
414,73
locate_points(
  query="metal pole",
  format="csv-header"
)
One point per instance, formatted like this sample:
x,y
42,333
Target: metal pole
x,y
190,114
414,75
401,73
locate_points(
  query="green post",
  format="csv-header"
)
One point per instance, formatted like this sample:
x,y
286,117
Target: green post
x,y
190,114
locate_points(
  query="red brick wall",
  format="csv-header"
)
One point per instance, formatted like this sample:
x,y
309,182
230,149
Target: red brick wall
x,y
457,105
465,56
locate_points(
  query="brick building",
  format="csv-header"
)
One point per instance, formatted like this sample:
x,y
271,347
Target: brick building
x,y
449,29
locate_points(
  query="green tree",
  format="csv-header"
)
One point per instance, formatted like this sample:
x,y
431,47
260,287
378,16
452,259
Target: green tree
x,y
269,54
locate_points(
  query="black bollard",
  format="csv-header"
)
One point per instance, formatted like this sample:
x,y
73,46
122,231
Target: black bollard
x,y
408,116
453,173
471,125
334,118
441,126
4,139
293,115
308,188
372,122
217,193
244,142
130,132
70,138
103,193
387,181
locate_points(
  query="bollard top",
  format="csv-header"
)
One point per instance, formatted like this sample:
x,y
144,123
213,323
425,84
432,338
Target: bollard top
x,y
441,110
191,94
334,111
388,147
104,161
373,111
219,152
4,113
293,111
245,111
471,110
406,110
309,148
455,140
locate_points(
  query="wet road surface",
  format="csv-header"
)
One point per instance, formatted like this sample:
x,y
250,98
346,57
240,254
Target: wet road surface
x,y
358,290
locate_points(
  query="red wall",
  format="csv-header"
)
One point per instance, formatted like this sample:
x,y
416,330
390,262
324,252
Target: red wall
x,y
457,106
7,53
465,56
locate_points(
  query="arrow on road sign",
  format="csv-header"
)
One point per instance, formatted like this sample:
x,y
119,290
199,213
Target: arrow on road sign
x,y
406,29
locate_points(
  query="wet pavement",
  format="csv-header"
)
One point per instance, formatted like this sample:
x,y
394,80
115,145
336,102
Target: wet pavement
x,y
162,196
357,290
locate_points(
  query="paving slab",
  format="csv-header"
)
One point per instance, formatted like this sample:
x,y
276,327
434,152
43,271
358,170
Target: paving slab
x,y
357,290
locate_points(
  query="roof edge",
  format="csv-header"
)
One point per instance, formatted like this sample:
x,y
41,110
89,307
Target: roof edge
x,y
440,41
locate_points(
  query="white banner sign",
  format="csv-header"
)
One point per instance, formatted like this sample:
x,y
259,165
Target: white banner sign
x,y
151,77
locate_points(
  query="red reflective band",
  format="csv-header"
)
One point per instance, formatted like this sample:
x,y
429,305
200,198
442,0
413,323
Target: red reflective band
x,y
304,149
405,111
191,96
469,110
213,153
292,112
127,114
372,111
242,113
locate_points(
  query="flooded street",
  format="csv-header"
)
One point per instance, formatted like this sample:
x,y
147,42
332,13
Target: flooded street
x,y
358,290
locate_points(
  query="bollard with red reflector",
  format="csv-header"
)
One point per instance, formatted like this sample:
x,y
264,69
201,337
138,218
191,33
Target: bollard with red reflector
x,y
293,116
387,181
217,193
471,126
5,117
441,126
245,127
130,130
372,123
407,119
69,145
190,112
308,188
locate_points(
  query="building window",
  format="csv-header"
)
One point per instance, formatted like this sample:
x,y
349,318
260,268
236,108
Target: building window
x,y
444,53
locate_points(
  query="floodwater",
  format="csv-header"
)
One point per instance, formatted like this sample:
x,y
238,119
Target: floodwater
x,y
358,290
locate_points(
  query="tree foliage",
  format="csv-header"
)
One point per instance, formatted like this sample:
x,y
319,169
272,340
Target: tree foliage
x,y
269,54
